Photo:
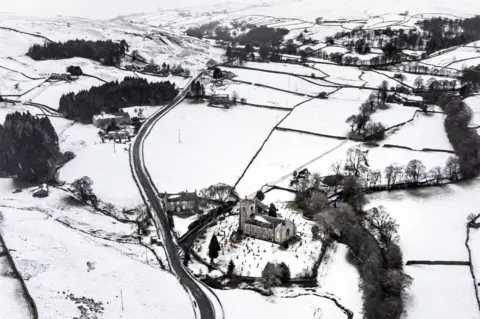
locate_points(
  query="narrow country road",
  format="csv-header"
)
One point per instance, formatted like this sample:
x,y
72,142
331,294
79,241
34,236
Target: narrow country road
x,y
202,303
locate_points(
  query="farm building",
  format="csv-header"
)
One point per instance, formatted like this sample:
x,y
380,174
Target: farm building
x,y
181,202
102,120
60,77
220,99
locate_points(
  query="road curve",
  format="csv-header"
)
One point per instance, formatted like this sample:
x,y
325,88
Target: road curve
x,y
149,194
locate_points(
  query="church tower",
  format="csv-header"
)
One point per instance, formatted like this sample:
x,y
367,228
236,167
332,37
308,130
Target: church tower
x,y
247,208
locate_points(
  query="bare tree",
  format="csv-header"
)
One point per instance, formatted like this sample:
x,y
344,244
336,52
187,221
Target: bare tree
x,y
375,178
418,83
357,161
392,174
452,168
415,171
382,226
436,174
219,193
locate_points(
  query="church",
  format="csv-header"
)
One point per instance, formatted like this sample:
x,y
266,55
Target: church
x,y
254,223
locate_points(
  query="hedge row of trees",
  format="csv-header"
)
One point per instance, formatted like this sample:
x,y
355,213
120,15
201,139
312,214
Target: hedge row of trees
x,y
465,141
29,148
106,52
111,97
372,239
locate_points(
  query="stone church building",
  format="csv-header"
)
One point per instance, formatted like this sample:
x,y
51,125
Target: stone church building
x,y
260,225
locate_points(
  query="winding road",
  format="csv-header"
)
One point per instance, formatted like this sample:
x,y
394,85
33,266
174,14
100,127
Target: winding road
x,y
202,302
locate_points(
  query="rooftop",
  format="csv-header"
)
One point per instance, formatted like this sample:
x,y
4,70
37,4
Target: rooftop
x,y
183,196
264,221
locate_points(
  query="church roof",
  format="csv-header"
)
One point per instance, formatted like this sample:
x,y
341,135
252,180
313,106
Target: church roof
x,y
264,221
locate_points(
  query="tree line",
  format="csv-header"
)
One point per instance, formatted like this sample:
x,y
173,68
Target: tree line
x,y
465,141
111,97
29,148
371,236
106,52
445,33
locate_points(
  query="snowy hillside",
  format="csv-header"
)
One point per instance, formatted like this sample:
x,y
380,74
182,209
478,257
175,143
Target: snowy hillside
x,y
111,256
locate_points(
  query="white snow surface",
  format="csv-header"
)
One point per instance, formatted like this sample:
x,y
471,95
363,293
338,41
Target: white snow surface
x,y
256,306
215,144
63,250
340,278
425,131
441,292
426,215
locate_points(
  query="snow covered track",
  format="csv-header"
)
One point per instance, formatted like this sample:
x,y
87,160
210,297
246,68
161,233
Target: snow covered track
x,y
205,303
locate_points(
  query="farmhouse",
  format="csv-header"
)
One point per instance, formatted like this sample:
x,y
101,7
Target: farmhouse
x,y
181,202
61,77
102,120
262,226
220,99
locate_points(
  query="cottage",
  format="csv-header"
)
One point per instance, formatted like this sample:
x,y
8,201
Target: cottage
x,y
255,224
103,120
60,77
182,202
220,99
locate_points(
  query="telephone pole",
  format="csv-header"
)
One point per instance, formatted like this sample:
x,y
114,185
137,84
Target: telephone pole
x,y
179,138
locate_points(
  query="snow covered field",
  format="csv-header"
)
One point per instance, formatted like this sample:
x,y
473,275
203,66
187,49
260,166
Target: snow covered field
x,y
285,67
454,58
340,278
282,154
108,166
281,81
425,131
425,217
441,292
329,116
67,252
50,96
341,74
259,95
251,255
181,224
255,306
215,144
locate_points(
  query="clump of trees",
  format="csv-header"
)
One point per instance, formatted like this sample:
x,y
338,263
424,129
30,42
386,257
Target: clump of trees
x,y
29,149
219,194
445,33
263,35
82,189
309,196
275,274
111,97
362,124
471,79
106,52
204,29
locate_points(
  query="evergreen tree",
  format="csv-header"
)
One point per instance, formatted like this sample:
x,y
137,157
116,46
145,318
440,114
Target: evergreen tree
x,y
213,248
269,276
283,272
230,269
272,211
